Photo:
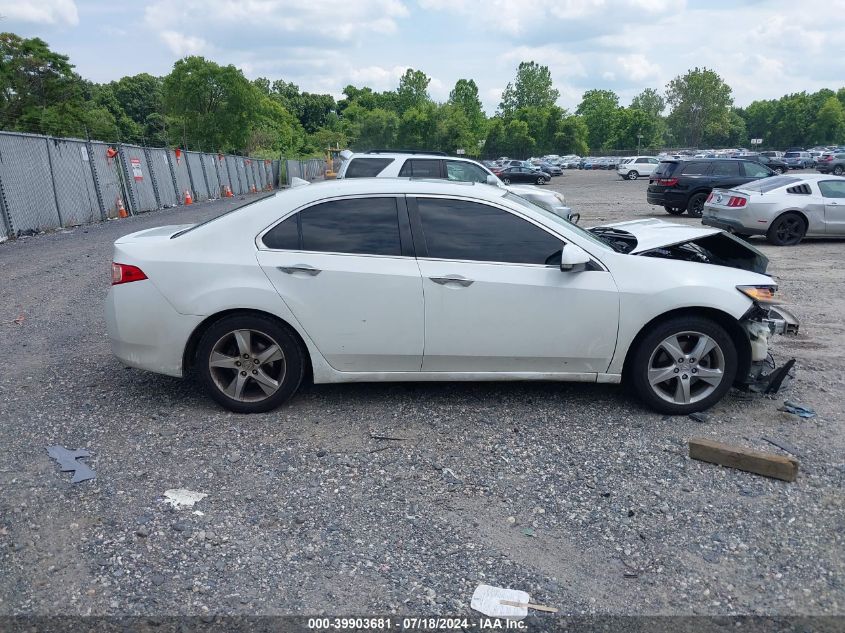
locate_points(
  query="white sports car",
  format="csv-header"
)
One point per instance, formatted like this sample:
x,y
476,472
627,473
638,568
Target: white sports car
x,y
785,209
388,279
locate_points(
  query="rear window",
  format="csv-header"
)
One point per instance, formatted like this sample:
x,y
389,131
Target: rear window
x,y
421,168
770,184
695,168
366,167
666,168
792,155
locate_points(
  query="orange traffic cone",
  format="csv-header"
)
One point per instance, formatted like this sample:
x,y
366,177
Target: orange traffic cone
x,y
188,199
228,191
121,210
254,190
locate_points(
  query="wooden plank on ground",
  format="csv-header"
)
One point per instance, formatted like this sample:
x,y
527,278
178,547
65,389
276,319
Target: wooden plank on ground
x,y
757,462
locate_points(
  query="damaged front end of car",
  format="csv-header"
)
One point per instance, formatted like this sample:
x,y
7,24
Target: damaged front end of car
x,y
761,323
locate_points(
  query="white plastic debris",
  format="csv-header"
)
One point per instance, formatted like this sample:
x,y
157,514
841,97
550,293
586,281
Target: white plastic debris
x,y
488,600
181,498
298,182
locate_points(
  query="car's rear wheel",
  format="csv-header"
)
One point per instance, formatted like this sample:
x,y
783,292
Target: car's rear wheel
x,y
249,363
632,175
787,230
683,365
506,180
838,170
695,206
674,210
541,180
778,170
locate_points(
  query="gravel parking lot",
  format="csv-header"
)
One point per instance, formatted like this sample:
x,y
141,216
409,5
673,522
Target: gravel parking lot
x,y
574,493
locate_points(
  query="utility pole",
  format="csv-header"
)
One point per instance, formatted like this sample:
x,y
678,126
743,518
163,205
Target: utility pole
x,y
639,138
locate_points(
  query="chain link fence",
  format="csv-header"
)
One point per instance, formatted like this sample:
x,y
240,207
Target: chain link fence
x,y
48,182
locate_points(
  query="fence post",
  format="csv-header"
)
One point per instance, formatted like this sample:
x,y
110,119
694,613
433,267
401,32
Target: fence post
x,y
229,171
123,174
190,175
53,180
5,216
173,176
90,149
205,175
153,180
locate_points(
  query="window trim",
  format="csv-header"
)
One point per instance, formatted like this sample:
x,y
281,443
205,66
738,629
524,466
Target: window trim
x,y
406,248
422,247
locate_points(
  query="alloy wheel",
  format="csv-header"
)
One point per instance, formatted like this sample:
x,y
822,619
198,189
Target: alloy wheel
x,y
686,368
790,230
247,365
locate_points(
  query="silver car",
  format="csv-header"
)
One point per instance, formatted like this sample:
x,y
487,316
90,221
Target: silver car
x,y
785,209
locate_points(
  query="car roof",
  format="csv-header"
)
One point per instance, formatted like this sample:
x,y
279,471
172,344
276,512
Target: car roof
x,y
398,154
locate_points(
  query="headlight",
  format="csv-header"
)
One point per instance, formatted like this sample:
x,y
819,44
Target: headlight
x,y
760,294
560,197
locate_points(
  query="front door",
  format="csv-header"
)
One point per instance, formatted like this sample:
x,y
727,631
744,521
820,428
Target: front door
x,y
834,205
497,301
341,268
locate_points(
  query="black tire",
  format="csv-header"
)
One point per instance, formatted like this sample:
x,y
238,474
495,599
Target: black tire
x,y
673,210
287,371
695,206
541,180
506,181
787,230
778,170
632,175
649,351
838,170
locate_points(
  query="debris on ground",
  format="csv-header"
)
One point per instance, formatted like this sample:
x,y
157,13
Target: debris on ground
x,y
797,409
497,602
757,462
783,445
68,461
388,437
701,418
528,531
181,498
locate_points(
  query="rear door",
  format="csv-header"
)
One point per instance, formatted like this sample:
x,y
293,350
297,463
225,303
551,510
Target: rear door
x,y
346,270
833,192
496,299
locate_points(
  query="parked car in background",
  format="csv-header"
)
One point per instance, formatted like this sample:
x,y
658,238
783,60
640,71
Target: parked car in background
x,y
785,208
772,154
798,160
549,168
637,166
777,165
832,163
680,186
524,174
386,279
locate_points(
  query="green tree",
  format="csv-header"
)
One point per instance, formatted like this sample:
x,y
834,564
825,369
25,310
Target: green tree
x,y
454,131
649,101
417,126
531,88
829,126
699,100
371,129
413,90
465,97
215,106
599,110
571,136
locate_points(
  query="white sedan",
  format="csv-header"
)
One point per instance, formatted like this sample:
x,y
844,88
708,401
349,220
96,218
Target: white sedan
x,y
411,280
785,209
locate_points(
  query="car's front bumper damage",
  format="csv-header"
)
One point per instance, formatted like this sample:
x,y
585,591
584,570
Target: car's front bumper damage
x,y
760,325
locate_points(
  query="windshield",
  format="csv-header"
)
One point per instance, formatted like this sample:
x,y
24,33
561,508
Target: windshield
x,y
556,219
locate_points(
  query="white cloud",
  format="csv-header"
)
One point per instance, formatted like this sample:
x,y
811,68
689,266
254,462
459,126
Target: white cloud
x,y
637,67
182,45
40,11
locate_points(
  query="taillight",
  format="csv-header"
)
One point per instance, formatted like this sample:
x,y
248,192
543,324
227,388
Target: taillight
x,y
124,273
710,197
736,201
667,182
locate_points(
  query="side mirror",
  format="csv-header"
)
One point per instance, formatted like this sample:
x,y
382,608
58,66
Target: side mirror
x,y
573,259
492,180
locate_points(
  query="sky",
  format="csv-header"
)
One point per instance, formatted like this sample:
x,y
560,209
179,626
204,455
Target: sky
x,y
762,48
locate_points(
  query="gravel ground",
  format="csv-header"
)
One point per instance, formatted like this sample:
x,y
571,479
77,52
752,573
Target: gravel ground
x,y
573,493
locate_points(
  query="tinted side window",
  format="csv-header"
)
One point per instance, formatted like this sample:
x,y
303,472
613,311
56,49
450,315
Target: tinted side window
x,y
455,229
695,168
367,226
666,168
366,167
755,170
643,160
465,172
725,168
284,235
832,188
419,168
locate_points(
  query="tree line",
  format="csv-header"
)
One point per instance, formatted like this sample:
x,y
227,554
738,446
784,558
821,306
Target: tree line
x,y
205,106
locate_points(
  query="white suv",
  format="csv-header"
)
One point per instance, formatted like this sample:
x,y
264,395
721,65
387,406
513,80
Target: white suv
x,y
637,166
417,164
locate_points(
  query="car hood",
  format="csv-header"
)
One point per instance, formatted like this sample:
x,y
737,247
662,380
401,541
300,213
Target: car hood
x,y
671,240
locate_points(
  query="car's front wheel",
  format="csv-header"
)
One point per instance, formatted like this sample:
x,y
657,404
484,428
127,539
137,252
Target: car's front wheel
x,y
249,363
838,170
683,365
541,180
787,230
632,175
695,207
778,170
506,180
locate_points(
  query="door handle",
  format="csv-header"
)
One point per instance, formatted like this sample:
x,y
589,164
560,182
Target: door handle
x,y
452,279
300,268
